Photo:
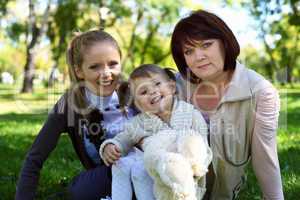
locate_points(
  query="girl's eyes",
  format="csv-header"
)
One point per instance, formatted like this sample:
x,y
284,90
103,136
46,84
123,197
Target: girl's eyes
x,y
157,83
94,66
113,63
143,92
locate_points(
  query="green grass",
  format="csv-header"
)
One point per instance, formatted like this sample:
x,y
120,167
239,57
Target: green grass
x,y
21,117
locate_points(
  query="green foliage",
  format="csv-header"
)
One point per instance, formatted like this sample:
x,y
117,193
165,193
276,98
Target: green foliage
x,y
15,30
3,7
254,58
11,60
279,31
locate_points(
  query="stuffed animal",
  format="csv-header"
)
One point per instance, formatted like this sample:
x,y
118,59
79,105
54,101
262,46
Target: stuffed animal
x,y
177,160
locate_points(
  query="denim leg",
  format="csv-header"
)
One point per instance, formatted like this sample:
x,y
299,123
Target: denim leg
x,y
92,184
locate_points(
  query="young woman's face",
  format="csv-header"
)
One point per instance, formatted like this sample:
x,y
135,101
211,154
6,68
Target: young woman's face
x,y
205,59
153,94
101,68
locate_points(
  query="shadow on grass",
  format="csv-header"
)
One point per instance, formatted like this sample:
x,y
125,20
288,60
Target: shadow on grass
x,y
35,117
34,97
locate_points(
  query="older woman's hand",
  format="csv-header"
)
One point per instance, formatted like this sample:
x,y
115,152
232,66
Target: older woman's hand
x,y
111,154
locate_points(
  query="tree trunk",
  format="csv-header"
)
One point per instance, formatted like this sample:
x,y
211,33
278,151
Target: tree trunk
x,y
28,72
102,19
289,74
35,34
51,77
29,65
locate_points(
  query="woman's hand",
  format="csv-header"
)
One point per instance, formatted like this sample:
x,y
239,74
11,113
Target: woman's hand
x,y
111,154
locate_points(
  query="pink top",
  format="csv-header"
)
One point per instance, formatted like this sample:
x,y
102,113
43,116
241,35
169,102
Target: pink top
x,y
264,146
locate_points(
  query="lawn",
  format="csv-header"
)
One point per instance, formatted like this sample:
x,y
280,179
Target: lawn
x,y
21,117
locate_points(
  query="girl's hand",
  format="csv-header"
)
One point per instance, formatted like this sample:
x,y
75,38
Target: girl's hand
x,y
111,154
139,144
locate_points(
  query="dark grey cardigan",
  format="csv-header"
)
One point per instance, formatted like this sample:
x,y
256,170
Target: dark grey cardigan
x,y
62,119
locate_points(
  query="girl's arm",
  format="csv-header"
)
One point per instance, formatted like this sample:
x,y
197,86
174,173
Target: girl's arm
x,y
124,140
264,147
43,145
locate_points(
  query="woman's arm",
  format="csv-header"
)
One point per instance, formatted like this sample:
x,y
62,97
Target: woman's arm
x,y
264,147
43,145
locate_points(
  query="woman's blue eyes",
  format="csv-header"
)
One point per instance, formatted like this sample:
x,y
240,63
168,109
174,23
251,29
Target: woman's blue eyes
x,y
188,52
204,45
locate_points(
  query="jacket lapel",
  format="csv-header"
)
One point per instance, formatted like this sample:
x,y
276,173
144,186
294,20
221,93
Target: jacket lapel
x,y
239,87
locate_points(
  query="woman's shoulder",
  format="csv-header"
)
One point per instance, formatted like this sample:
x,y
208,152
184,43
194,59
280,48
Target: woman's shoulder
x,y
63,106
60,105
257,82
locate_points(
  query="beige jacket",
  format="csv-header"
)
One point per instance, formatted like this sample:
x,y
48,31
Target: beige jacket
x,y
243,129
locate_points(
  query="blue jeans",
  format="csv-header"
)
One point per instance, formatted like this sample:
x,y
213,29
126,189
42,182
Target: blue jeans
x,y
92,184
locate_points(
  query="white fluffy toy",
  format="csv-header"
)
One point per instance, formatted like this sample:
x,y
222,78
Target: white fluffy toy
x,y
177,160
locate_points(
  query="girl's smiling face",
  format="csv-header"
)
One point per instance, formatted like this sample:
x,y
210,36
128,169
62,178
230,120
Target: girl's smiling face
x,y
101,68
153,94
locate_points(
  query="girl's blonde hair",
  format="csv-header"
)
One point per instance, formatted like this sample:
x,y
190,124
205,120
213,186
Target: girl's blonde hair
x,y
79,45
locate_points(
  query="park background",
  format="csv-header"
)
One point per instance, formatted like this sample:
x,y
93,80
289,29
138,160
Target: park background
x,y
33,39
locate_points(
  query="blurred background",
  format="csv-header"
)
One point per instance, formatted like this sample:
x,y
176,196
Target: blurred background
x,y
34,35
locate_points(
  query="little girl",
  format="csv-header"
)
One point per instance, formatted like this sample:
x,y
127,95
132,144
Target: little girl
x,y
172,134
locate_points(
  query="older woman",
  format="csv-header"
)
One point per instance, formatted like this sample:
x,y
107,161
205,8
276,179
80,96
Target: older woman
x,y
241,106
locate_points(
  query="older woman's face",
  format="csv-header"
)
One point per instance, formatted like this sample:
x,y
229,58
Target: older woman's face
x,y
205,59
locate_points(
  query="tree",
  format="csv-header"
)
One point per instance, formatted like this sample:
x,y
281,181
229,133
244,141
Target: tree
x,y
279,30
35,29
78,15
63,22
3,8
149,31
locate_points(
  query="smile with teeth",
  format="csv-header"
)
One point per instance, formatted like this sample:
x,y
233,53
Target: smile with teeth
x,y
105,83
156,99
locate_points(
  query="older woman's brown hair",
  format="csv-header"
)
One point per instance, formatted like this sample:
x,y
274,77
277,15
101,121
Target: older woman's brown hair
x,y
202,25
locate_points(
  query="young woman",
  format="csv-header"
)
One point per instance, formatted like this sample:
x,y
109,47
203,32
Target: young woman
x,y
89,112
241,106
